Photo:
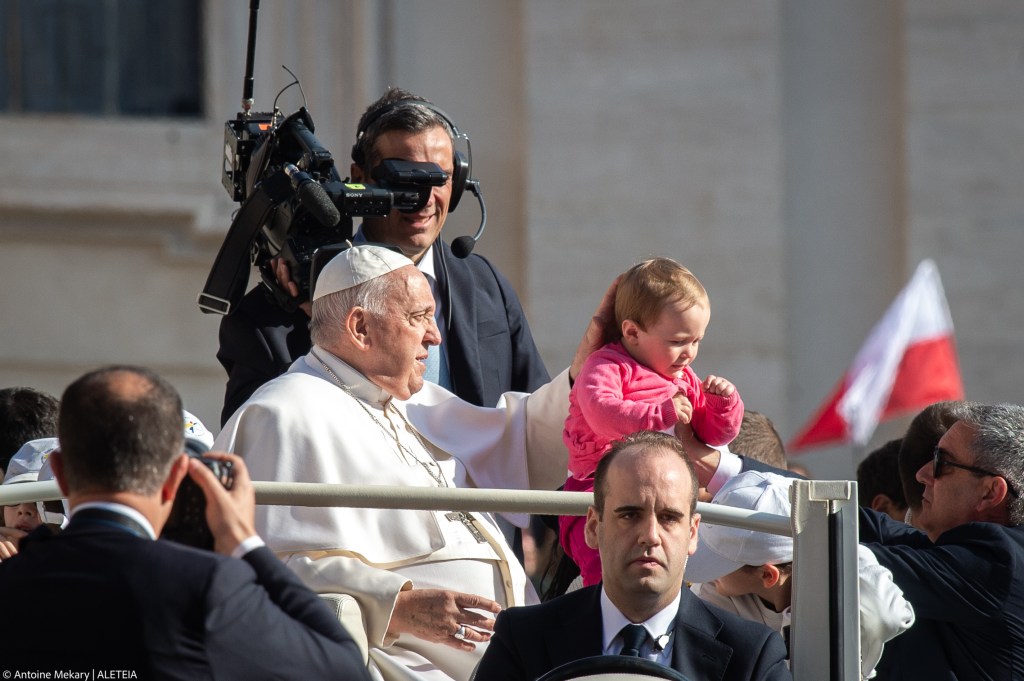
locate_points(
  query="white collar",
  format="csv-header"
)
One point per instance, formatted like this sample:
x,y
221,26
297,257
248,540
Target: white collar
x,y
358,384
121,509
612,620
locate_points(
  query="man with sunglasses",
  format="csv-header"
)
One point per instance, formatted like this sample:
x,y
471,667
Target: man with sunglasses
x,y
963,571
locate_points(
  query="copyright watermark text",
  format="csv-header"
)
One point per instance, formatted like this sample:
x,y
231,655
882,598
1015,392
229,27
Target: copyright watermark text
x,y
68,674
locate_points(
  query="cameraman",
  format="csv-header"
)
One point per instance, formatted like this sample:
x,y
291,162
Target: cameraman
x,y
486,345
156,609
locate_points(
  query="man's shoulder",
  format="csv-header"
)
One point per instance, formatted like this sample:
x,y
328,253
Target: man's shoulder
x,y
299,383
258,309
580,600
987,539
477,268
727,626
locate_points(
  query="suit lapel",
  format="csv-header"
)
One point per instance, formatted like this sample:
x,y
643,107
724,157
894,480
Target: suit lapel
x,y
576,632
696,651
463,350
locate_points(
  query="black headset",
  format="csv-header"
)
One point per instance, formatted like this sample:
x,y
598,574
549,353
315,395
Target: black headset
x,y
462,165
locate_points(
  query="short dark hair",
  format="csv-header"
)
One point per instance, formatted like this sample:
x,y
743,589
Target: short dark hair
x,y
403,114
759,440
879,473
919,442
25,414
120,428
645,440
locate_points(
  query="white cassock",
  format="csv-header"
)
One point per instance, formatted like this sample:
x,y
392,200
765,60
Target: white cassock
x,y
302,427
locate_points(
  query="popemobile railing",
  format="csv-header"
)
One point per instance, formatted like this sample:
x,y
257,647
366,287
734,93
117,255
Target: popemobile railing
x,y
825,632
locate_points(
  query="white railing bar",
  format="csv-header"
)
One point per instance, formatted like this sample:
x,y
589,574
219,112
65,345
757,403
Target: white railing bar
x,y
434,499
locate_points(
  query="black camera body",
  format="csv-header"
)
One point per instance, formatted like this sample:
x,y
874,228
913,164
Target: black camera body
x,y
187,522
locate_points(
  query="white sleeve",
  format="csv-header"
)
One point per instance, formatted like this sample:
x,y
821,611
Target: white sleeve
x,y
729,467
884,613
516,445
374,589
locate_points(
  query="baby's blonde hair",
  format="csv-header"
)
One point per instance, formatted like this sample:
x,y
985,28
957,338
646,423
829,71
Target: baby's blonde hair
x,y
646,288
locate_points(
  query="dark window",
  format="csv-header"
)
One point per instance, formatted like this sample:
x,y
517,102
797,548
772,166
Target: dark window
x,y
101,57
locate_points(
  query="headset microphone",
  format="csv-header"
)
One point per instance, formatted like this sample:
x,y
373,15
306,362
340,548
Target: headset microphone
x,y
463,246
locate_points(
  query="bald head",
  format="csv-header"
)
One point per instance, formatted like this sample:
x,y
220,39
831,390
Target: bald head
x,y
120,428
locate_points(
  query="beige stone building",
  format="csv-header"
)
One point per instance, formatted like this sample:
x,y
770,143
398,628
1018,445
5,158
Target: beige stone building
x,y
800,156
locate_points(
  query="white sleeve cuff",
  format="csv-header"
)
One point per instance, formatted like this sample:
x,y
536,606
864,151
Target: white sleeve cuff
x,y
729,466
247,545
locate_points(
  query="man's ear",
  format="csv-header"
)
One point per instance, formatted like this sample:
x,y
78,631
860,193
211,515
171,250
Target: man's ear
x,y
770,575
590,529
357,327
882,503
179,469
694,527
996,492
57,466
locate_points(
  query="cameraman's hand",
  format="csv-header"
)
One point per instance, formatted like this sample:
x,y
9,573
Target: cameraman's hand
x,y
231,514
284,280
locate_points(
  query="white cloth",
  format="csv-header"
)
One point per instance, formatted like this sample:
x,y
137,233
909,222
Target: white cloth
x,y
884,613
303,427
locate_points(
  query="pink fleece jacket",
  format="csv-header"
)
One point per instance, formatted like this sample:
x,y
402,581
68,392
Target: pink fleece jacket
x,y
615,395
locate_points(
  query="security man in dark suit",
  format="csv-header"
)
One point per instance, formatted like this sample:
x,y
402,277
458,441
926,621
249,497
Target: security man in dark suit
x,y
487,347
105,595
644,525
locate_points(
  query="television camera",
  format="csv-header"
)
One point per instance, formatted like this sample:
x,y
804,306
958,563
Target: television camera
x,y
293,200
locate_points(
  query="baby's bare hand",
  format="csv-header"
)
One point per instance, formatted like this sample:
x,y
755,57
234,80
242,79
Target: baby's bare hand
x,y
716,385
684,408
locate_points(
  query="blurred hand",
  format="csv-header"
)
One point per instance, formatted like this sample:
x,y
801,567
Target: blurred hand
x,y
285,281
231,514
435,614
599,331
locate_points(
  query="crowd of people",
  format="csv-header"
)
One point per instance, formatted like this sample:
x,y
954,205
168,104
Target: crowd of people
x,y
409,366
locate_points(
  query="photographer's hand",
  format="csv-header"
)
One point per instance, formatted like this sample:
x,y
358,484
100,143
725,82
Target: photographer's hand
x,y
285,281
229,513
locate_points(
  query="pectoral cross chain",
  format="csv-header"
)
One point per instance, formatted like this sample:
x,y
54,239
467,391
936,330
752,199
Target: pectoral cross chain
x,y
467,520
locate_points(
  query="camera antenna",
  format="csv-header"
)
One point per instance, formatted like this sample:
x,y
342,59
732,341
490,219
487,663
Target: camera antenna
x,y
250,58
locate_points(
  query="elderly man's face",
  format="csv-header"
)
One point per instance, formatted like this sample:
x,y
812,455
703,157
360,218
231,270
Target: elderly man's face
x,y
954,498
400,338
646,532
413,232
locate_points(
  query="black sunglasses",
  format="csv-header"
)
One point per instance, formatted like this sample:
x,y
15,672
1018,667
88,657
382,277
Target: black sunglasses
x,y
940,461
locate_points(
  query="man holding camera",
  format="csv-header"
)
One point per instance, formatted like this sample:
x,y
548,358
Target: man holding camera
x,y
103,595
486,345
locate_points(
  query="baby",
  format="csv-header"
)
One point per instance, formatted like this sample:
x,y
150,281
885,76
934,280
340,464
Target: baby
x,y
644,382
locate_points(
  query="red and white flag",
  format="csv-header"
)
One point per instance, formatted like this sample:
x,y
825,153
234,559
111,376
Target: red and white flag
x,y
908,362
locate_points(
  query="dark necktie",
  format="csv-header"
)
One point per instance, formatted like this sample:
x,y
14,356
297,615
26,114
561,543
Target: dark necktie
x,y
633,637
